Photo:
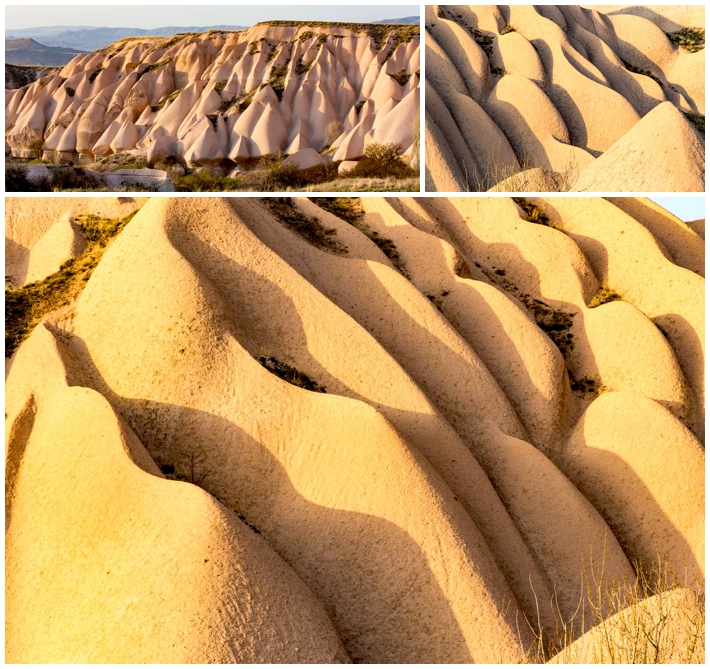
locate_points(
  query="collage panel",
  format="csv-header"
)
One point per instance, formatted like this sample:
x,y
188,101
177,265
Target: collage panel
x,y
368,429
564,98
302,99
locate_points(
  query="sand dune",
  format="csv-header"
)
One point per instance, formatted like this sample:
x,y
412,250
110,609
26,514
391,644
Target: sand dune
x,y
225,96
376,430
589,101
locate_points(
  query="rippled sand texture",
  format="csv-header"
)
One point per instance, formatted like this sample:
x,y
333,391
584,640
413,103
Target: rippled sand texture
x,y
265,434
225,96
545,98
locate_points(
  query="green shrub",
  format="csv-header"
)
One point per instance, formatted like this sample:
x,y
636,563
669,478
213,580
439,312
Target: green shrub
x,y
637,70
604,295
690,39
16,181
167,98
401,77
95,73
151,68
588,387
381,161
74,178
284,177
507,29
350,210
533,213
346,208
219,86
301,67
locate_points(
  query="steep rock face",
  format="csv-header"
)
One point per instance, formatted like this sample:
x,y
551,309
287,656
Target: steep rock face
x,y
588,101
443,431
226,96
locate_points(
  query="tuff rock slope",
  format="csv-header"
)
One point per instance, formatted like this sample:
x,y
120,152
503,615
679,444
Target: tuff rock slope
x,y
224,97
546,98
387,430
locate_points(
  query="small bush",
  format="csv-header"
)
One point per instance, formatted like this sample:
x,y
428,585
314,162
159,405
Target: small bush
x,y
690,39
346,208
16,181
401,77
587,387
533,213
151,68
604,295
507,29
71,92
301,67
285,177
167,98
219,86
273,50
350,210
95,73
74,178
381,161
244,103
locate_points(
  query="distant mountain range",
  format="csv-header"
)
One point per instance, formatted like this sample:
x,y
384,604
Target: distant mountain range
x,y
29,52
90,38
404,19
87,38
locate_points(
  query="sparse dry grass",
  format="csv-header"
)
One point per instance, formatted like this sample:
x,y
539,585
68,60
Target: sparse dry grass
x,y
656,619
26,307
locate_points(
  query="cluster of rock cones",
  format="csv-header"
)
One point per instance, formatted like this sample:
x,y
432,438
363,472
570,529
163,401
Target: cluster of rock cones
x,y
266,433
550,98
222,98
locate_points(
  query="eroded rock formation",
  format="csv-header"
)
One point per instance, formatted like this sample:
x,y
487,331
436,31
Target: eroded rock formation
x,y
226,97
545,98
404,433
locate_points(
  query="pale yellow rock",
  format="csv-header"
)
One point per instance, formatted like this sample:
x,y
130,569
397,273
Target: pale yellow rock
x,y
589,101
685,245
643,471
61,242
673,297
80,484
663,152
309,524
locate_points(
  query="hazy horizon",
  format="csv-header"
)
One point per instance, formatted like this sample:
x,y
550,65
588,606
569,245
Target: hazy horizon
x,y
155,16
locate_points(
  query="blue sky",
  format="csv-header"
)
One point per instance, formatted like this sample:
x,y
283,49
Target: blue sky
x,y
685,208
154,16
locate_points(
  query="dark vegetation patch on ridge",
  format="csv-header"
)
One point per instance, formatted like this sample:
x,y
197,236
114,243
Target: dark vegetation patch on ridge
x,y
308,227
379,32
350,210
25,307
